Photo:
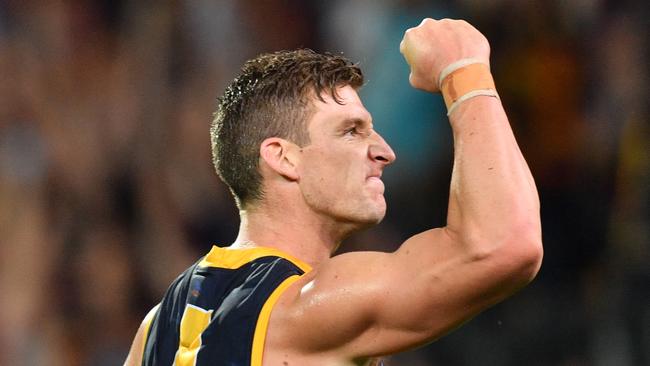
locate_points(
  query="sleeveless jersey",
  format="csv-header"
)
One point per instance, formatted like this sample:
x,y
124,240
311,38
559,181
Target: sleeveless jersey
x,y
216,313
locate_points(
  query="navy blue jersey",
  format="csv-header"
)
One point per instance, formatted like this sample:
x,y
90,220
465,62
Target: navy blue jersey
x,y
217,312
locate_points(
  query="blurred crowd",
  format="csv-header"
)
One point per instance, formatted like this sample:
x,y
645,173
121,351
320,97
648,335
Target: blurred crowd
x,y
107,191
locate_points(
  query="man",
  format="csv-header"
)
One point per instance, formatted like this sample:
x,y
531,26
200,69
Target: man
x,y
297,148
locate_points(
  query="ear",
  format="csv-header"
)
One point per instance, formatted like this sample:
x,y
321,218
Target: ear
x,y
280,156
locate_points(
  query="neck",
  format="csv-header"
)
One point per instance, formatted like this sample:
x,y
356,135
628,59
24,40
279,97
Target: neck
x,y
306,237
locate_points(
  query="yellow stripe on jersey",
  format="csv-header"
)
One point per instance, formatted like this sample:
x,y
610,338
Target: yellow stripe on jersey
x,y
235,258
193,323
263,320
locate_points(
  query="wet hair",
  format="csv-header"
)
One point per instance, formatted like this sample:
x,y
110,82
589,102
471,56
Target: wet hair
x,y
272,97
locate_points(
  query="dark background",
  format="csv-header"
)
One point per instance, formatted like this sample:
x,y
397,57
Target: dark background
x,y
107,191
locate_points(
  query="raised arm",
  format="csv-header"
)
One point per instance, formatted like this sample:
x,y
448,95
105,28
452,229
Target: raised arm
x,y
492,194
491,245
368,304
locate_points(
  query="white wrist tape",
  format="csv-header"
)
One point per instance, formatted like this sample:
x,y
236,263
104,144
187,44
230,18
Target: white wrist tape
x,y
472,94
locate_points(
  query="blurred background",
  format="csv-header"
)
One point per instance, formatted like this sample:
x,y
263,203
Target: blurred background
x,y
107,191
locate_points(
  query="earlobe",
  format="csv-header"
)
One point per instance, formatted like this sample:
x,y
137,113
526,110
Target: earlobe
x,y
278,155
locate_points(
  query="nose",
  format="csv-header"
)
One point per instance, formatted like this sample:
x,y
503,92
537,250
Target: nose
x,y
380,151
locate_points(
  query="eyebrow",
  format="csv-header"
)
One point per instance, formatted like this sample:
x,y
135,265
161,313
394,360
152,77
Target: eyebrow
x,y
356,121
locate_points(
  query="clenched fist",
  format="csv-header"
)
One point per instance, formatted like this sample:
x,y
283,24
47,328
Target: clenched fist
x,y
435,44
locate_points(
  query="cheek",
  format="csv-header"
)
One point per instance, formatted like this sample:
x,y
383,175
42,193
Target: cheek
x,y
328,179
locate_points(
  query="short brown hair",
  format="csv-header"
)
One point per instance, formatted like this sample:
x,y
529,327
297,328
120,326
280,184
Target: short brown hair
x,y
271,97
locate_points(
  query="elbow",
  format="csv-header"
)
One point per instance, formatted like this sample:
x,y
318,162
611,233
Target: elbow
x,y
522,255
516,257
530,260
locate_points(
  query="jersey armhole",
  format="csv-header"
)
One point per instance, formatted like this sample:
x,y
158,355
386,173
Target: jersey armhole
x,y
263,320
148,319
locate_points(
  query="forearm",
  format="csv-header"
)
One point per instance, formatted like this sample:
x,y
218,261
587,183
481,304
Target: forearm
x,y
493,195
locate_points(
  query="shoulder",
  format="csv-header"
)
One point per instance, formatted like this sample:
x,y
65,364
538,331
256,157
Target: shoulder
x,y
330,306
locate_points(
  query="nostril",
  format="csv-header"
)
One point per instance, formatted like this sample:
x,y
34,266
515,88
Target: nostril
x,y
381,153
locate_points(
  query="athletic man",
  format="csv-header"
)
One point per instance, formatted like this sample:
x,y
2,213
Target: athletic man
x,y
298,150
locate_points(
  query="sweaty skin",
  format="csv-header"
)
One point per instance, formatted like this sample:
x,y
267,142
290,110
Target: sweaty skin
x,y
358,306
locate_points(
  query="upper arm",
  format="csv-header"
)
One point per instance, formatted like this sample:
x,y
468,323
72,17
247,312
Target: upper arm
x,y
137,347
371,303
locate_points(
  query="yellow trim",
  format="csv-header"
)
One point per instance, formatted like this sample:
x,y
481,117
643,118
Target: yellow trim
x,y
193,323
235,258
263,320
147,324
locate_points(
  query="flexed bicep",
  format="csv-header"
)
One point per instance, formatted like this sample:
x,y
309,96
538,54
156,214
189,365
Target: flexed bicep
x,y
367,304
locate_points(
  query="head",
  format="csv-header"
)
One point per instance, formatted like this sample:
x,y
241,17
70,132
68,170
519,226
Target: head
x,y
339,171
274,103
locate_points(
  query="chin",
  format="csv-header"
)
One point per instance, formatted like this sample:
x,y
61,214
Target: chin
x,y
372,216
359,221
360,215
356,225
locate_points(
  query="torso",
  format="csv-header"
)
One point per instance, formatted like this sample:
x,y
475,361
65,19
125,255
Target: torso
x,y
274,351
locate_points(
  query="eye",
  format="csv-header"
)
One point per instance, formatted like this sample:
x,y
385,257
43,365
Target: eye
x,y
352,131
357,130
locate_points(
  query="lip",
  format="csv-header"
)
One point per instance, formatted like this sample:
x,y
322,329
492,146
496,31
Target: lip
x,y
374,180
375,175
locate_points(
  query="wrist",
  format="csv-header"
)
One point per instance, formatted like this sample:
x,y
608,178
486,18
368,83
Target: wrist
x,y
465,79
